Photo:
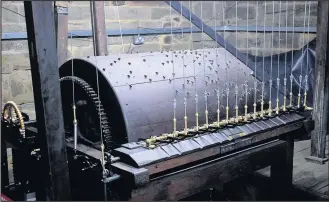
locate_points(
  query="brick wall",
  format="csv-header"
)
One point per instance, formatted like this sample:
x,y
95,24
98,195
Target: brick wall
x,y
16,77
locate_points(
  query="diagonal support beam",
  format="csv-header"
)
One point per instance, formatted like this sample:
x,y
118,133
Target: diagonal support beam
x,y
210,32
40,26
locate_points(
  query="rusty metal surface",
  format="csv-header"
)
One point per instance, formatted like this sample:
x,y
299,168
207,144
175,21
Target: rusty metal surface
x,y
138,89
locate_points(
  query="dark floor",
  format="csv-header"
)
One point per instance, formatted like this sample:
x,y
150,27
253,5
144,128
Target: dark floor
x,y
307,176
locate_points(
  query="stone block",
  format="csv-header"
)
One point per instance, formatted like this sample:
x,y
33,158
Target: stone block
x,y
111,13
283,40
115,49
83,51
124,25
20,46
19,61
7,68
207,10
311,8
118,40
6,89
242,12
147,3
147,47
21,86
176,46
150,23
135,13
79,25
152,38
79,42
9,14
10,27
118,3
159,13
79,13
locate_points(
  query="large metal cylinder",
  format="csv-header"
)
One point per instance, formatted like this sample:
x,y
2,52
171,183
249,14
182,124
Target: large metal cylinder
x,y
138,90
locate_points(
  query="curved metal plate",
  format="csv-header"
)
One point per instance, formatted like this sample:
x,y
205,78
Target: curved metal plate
x,y
145,87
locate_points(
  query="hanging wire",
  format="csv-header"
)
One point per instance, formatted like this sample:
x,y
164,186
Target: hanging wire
x,y
118,14
255,73
173,66
278,78
263,83
204,70
185,93
226,71
301,71
307,60
194,72
292,58
217,71
285,65
246,81
237,67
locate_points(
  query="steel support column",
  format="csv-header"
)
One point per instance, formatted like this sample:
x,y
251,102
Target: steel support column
x,y
321,90
98,27
40,26
61,26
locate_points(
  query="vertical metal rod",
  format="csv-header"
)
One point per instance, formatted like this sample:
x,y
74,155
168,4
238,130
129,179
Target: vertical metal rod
x,y
98,27
40,26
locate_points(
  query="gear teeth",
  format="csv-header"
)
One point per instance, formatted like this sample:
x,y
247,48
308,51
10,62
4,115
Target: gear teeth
x,y
106,129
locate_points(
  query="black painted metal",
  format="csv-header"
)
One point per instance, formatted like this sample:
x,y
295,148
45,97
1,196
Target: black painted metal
x,y
44,67
234,140
137,90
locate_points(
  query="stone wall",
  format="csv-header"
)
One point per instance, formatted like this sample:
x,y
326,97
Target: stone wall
x,y
16,76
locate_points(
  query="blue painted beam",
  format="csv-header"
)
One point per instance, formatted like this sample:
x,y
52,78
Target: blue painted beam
x,y
7,36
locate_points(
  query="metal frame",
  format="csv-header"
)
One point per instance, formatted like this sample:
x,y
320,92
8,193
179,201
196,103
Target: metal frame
x,y
40,27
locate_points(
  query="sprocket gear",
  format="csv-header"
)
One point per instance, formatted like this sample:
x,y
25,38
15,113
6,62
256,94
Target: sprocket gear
x,y
97,105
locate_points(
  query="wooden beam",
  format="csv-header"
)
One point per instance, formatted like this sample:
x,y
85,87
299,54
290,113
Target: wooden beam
x,y
98,27
213,173
61,26
321,90
40,26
